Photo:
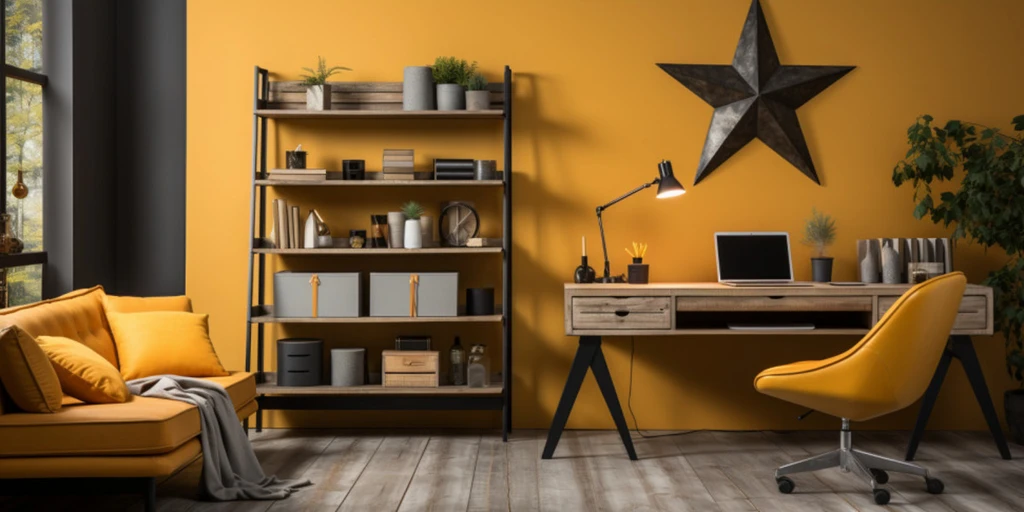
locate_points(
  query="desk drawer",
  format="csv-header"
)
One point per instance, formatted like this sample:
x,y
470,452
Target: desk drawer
x,y
972,314
621,313
781,303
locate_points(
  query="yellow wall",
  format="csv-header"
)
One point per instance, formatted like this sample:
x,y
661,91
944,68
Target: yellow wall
x,y
593,115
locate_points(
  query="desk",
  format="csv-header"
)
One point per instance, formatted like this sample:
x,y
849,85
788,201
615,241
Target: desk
x,y
596,310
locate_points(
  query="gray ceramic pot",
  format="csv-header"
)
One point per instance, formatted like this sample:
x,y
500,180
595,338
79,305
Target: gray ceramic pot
x,y
451,97
318,97
821,269
418,88
478,100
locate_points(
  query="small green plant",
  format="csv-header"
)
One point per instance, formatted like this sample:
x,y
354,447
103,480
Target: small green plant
x,y
476,82
321,74
449,70
820,231
412,210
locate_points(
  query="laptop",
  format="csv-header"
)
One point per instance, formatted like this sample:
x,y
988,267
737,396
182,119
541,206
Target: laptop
x,y
754,259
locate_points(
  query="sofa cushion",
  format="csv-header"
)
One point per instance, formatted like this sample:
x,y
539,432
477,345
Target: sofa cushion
x,y
141,426
101,466
113,303
77,315
84,374
164,343
27,374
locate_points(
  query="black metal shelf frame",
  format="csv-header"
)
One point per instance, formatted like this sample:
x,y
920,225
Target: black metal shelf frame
x,y
257,279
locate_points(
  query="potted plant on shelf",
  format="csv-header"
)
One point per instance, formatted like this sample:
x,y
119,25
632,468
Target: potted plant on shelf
x,y
820,232
451,75
987,209
318,91
413,234
477,95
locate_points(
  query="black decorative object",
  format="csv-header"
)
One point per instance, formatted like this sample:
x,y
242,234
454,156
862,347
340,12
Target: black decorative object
x,y
412,342
354,169
299,362
295,159
668,186
756,96
479,301
638,272
821,270
584,273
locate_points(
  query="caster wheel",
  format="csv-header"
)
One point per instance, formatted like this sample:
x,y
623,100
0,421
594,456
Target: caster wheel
x,y
881,496
935,486
785,484
881,477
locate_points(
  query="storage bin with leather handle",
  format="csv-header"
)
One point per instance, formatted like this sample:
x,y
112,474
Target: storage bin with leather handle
x,y
414,294
316,294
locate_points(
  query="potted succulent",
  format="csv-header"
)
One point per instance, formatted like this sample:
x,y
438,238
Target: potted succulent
x,y
318,91
986,208
413,233
451,76
477,95
820,232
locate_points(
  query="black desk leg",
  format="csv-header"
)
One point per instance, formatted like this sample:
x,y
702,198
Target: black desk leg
x,y
959,347
588,355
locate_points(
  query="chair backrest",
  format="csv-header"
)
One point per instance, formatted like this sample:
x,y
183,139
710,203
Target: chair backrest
x,y
909,339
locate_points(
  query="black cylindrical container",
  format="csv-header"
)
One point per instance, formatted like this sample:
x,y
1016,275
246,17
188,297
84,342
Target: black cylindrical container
x,y
638,272
378,237
821,270
295,159
479,301
300,362
354,169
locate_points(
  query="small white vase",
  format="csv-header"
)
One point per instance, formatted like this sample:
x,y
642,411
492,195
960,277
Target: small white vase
x,y
318,97
396,226
413,235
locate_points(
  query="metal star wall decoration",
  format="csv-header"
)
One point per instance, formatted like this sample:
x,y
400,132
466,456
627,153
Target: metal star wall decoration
x,y
756,96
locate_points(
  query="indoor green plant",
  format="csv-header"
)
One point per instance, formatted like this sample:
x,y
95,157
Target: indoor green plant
x,y
318,91
477,95
820,232
986,208
451,76
413,234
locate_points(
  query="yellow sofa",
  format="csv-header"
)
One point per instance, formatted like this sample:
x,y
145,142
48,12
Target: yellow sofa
x,y
138,441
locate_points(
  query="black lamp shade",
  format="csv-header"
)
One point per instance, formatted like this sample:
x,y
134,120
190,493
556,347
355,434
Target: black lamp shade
x,y
668,185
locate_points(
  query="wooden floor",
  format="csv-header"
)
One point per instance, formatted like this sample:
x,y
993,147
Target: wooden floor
x,y
703,471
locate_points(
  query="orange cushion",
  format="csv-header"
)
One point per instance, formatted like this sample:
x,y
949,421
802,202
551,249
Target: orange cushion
x,y
164,342
101,466
27,375
113,303
77,315
84,374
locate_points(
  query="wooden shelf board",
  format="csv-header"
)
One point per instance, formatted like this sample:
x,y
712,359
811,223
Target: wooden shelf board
x,y
769,332
381,183
379,252
377,389
379,114
267,319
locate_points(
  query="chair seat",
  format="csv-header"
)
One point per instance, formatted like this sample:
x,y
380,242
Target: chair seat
x,y
141,426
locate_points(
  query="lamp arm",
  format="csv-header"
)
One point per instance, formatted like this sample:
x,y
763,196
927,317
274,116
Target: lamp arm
x,y
600,223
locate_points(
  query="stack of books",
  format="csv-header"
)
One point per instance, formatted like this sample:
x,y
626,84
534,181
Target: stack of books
x,y
298,174
287,233
398,164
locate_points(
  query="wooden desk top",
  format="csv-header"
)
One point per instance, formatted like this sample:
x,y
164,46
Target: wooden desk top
x,y
660,309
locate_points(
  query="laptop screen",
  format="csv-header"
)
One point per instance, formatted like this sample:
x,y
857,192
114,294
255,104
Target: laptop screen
x,y
753,257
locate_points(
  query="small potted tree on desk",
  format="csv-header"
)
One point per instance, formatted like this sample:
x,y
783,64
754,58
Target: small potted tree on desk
x,y
987,209
318,92
820,233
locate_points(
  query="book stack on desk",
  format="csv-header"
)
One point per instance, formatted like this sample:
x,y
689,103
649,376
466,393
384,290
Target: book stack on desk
x,y
398,164
297,174
453,169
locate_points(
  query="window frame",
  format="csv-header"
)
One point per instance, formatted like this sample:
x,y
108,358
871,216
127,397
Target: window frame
x,y
8,71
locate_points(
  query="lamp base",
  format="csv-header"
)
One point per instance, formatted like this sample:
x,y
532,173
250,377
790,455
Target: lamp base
x,y
612,279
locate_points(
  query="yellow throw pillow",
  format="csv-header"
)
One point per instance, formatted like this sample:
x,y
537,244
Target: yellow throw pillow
x,y
164,342
115,304
28,377
83,373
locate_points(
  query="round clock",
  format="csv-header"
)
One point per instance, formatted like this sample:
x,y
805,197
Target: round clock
x,y
458,223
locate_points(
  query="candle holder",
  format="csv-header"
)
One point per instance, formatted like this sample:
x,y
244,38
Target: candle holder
x,y
638,272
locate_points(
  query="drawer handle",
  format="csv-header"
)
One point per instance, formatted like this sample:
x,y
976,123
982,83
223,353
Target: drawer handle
x,y
776,297
415,363
621,312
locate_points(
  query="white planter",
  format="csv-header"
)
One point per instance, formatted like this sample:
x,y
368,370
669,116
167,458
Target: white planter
x,y
413,235
318,97
478,100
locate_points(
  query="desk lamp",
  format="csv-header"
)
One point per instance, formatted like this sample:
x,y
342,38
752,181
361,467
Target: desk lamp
x,y
668,186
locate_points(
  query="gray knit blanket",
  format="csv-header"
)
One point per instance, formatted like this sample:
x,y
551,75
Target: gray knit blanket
x,y
230,468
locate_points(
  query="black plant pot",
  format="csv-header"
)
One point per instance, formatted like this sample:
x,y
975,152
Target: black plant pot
x,y
821,270
1013,401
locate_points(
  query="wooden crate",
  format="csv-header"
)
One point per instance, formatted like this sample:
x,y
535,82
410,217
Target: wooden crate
x,y
411,369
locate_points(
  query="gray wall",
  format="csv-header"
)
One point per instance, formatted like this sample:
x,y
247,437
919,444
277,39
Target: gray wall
x,y
114,153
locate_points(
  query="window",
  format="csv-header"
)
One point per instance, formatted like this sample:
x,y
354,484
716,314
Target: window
x,y
22,179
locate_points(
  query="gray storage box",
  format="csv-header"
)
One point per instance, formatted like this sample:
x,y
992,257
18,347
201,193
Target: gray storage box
x,y
337,294
437,294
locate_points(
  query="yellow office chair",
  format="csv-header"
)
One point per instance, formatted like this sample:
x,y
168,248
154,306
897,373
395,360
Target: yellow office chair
x,y
886,371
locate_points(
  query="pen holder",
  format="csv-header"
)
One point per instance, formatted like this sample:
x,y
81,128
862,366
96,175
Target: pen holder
x,y
639,272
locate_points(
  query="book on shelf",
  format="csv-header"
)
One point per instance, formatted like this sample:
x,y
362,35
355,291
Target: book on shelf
x,y
399,176
398,164
280,223
320,172
297,177
293,228
399,152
